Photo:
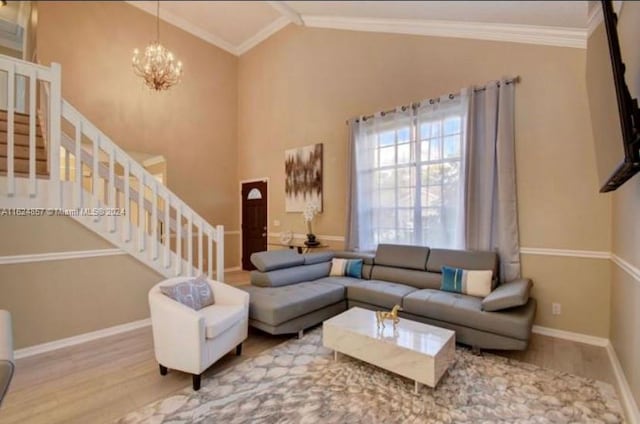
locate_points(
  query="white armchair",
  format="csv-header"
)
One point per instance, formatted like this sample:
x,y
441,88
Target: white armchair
x,y
7,366
191,341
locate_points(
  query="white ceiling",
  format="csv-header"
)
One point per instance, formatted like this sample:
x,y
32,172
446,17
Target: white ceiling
x,y
543,13
237,26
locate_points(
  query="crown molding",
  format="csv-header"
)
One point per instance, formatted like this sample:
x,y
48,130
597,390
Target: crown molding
x,y
262,35
185,25
529,34
285,10
595,16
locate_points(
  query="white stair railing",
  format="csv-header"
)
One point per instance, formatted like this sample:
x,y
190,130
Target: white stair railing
x,y
100,180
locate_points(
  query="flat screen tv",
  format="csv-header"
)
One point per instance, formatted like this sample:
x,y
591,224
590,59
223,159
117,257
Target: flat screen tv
x,y
615,116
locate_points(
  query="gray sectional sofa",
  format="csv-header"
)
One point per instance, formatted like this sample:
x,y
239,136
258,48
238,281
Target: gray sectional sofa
x,y
290,292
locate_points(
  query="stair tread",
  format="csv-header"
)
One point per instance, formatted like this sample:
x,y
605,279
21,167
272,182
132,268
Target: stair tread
x,y
19,128
22,165
20,157
21,140
41,175
14,112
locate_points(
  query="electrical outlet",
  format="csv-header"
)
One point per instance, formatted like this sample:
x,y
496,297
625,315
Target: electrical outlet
x,y
556,308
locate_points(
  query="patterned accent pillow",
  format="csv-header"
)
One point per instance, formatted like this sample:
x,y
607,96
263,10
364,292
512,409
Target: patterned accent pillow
x,y
346,268
195,294
473,283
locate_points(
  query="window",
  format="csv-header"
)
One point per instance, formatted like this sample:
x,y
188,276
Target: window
x,y
254,194
409,177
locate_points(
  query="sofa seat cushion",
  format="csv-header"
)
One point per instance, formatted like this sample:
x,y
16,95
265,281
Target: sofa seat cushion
x,y
219,318
467,311
275,305
379,293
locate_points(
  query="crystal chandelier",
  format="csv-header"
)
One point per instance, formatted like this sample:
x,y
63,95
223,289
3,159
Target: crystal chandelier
x,y
157,65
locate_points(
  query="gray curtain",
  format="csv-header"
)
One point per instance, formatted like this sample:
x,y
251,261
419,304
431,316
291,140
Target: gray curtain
x,y
491,212
351,236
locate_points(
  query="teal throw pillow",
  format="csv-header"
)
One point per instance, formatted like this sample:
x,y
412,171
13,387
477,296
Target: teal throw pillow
x,y
346,268
473,283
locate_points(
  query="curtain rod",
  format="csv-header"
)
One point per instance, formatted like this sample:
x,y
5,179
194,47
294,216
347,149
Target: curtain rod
x,y
452,96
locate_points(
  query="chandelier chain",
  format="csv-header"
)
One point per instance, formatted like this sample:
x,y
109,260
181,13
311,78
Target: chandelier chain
x,y
158,22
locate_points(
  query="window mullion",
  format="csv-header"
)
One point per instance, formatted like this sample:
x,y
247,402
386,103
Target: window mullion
x,y
417,207
396,190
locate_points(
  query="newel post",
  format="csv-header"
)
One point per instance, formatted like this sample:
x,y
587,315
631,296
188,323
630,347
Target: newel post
x,y
55,117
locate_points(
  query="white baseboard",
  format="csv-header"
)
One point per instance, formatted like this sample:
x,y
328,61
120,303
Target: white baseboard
x,y
233,269
80,338
569,335
628,401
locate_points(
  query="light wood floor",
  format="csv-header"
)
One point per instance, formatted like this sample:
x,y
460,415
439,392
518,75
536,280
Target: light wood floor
x,y
99,381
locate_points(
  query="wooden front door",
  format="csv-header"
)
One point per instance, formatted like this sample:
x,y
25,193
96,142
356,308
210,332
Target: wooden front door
x,y
254,220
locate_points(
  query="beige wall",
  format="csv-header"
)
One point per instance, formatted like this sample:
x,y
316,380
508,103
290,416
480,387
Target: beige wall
x,y
625,288
193,125
53,300
33,235
57,299
299,86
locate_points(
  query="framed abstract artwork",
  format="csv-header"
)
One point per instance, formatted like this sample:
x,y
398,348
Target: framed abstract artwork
x,y
303,177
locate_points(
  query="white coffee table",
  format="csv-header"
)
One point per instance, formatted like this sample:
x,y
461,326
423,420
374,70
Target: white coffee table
x,y
418,351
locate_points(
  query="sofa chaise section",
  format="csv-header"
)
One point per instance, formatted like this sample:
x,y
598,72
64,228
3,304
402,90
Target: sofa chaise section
x,y
289,309
288,293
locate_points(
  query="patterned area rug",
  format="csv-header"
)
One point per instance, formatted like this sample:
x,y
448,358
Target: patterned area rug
x,y
298,382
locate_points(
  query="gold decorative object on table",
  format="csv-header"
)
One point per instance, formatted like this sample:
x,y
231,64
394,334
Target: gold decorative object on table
x,y
381,316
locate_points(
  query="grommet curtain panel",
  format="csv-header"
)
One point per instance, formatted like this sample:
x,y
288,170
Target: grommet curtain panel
x,y
440,173
491,207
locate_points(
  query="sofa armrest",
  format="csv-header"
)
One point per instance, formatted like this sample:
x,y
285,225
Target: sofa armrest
x,y
508,295
288,276
225,294
178,332
6,337
7,366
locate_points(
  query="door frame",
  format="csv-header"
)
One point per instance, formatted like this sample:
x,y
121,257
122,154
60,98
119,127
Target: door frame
x,y
240,183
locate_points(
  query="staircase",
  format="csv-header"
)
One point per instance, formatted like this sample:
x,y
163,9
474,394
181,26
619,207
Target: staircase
x,y
21,152
54,161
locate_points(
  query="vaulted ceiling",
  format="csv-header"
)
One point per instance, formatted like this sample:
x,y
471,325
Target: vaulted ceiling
x,y
237,26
